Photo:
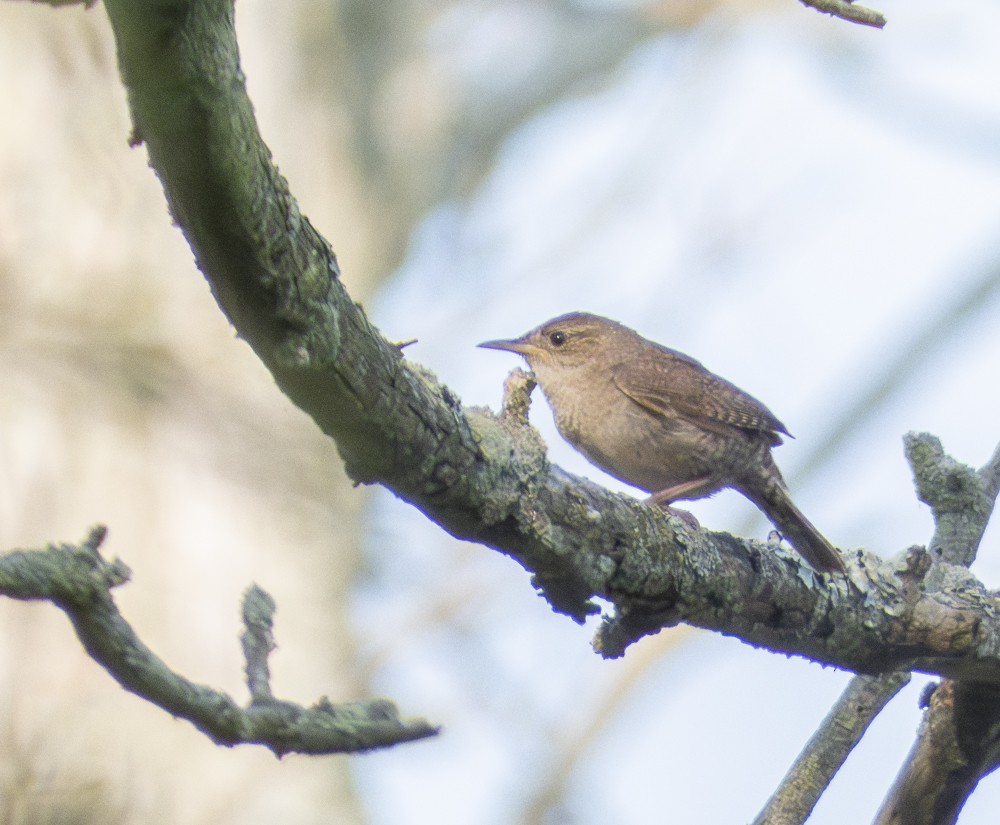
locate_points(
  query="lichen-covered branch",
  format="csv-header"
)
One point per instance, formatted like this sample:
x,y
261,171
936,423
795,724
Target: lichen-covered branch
x,y
258,642
959,740
989,473
482,477
961,500
77,579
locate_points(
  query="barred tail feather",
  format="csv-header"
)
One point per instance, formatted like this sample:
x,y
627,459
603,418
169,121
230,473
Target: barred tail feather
x,y
774,500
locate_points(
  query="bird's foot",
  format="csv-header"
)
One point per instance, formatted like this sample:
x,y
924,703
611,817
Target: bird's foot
x,y
684,515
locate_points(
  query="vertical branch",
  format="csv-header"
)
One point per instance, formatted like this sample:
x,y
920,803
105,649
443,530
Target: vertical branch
x,y
959,738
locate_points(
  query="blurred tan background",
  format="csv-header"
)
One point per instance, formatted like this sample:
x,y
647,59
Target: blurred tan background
x,y
127,400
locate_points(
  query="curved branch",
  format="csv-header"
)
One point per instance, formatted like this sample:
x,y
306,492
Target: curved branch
x,y
481,477
78,580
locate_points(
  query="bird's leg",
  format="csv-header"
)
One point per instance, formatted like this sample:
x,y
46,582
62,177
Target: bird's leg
x,y
663,498
686,489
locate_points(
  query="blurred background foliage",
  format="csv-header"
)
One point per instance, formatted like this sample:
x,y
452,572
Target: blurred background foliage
x,y
809,207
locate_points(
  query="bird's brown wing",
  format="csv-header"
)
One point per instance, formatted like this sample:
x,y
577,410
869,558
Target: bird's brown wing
x,y
675,384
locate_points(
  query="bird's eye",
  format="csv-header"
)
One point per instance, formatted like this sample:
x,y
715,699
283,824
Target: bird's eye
x,y
557,338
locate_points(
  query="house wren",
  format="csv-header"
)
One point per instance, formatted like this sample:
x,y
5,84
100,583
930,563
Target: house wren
x,y
660,421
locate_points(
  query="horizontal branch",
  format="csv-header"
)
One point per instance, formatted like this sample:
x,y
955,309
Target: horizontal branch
x,y
79,581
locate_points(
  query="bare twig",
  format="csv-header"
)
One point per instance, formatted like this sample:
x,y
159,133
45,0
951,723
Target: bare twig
x,y
86,3
258,642
826,751
77,579
848,11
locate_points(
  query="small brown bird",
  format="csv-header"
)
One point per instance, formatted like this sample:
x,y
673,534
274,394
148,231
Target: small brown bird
x,y
660,421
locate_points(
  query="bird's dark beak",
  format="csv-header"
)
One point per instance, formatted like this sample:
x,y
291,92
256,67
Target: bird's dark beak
x,y
518,345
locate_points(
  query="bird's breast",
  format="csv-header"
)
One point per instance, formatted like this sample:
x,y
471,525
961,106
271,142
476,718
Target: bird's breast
x,y
651,451
642,449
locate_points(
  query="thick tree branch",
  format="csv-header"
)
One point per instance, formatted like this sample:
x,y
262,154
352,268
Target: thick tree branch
x,y
483,477
79,581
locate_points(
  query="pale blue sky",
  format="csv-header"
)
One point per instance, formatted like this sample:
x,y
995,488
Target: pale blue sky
x,y
791,200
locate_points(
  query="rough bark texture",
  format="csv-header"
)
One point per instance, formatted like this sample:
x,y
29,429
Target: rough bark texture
x,y
485,477
480,476
959,739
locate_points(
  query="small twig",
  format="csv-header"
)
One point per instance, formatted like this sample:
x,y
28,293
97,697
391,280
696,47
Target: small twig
x,y
517,387
848,11
77,579
85,3
857,707
258,642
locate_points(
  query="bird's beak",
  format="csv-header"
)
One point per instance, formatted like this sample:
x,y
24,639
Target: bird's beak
x,y
518,345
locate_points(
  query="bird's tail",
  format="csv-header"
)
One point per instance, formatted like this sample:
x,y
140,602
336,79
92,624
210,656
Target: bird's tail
x,y
772,497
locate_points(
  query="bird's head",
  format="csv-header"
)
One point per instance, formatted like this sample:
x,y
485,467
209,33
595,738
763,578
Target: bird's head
x,y
566,342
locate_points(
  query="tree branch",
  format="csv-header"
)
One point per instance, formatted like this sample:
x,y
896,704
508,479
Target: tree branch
x,y
961,501
826,751
78,580
956,747
848,10
959,740
482,477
